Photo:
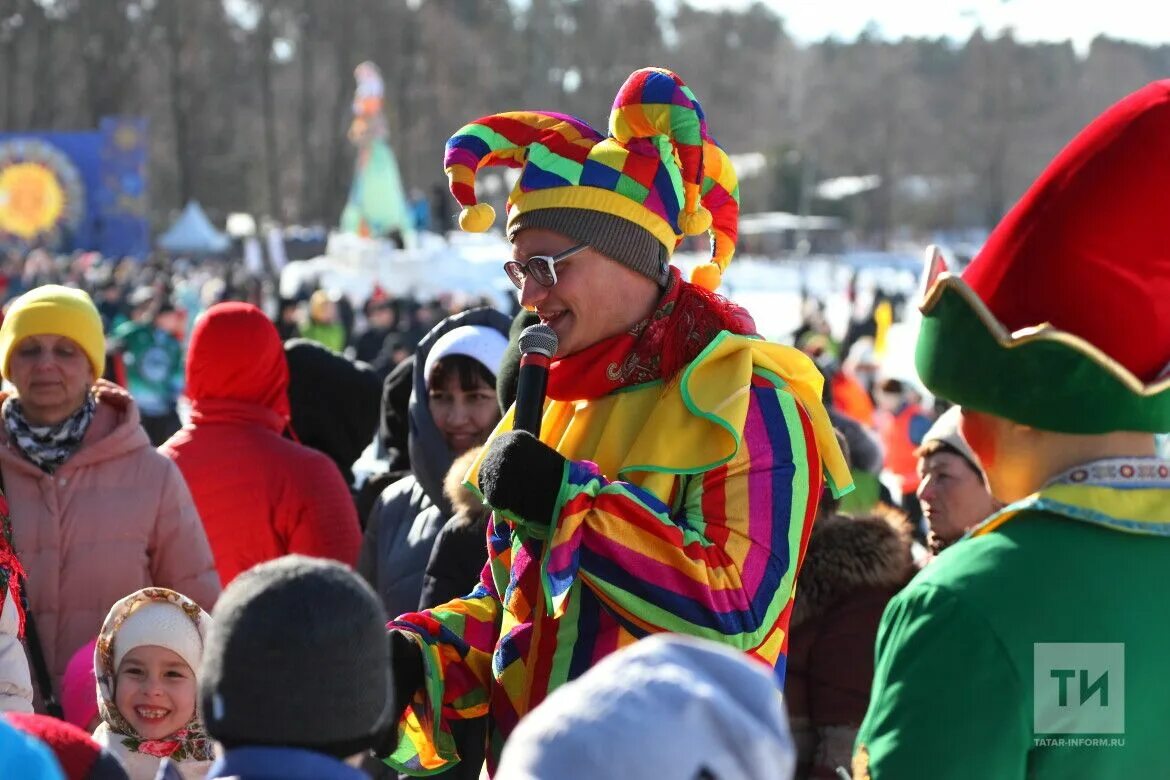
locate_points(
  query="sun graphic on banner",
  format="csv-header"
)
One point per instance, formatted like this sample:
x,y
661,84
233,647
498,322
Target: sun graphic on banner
x,y
42,196
31,199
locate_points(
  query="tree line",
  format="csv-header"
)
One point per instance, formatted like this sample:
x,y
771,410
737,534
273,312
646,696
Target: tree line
x,y
248,100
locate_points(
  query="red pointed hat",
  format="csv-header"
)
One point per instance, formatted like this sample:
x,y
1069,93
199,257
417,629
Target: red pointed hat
x,y
1062,321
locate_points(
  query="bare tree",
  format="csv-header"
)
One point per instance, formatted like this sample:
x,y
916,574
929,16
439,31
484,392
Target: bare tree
x,y
42,30
111,39
306,53
981,116
265,37
172,12
13,14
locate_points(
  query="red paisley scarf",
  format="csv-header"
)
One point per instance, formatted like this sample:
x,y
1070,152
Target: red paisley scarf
x,y
11,572
687,319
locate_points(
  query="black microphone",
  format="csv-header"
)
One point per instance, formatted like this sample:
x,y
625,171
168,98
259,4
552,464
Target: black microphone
x,y
538,343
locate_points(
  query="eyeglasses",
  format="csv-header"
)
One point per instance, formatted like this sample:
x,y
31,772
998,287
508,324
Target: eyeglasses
x,y
541,267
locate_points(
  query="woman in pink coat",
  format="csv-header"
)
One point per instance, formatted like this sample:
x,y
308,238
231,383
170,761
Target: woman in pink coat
x,y
96,512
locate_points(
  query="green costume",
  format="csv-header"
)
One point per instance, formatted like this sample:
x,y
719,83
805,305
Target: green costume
x,y
1038,647
955,685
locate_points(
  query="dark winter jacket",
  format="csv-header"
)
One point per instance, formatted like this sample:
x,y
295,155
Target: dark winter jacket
x,y
281,763
334,402
408,515
394,428
368,345
460,550
392,439
853,567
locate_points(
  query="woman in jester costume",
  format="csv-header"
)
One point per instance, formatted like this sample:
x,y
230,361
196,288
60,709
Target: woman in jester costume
x,y
1037,646
681,457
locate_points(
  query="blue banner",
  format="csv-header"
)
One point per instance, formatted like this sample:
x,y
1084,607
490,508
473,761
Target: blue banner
x,y
70,191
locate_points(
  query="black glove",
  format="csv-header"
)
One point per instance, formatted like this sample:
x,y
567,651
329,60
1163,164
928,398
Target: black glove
x,y
406,666
521,475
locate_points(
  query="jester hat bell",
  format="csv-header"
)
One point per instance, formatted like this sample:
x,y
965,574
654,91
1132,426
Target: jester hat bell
x,y
632,195
1062,321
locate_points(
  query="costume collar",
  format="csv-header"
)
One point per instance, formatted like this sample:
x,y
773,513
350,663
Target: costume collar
x,y
1122,494
697,423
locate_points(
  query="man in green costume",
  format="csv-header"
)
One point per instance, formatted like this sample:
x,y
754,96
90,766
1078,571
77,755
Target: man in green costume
x,y
1038,646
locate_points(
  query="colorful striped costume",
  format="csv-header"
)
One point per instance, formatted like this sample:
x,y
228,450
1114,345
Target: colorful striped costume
x,y
686,507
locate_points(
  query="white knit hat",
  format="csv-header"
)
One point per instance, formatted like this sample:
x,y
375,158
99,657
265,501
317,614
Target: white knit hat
x,y
487,345
669,706
946,430
163,624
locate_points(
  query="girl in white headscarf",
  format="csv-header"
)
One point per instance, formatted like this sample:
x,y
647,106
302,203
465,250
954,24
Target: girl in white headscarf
x,y
146,661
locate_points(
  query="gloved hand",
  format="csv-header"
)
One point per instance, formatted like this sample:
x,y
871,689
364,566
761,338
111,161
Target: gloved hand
x,y
406,666
521,475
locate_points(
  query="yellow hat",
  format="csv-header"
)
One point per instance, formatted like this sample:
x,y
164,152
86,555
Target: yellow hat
x,y
59,311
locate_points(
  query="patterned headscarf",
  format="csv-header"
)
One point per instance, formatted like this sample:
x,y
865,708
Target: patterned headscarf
x,y
190,743
47,446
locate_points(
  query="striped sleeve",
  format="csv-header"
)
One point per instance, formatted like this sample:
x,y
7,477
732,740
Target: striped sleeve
x,y
457,641
723,564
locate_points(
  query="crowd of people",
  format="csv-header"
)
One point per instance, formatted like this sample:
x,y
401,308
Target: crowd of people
x,y
254,537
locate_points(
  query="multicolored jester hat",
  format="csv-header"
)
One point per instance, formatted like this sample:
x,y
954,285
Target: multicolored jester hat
x,y
658,170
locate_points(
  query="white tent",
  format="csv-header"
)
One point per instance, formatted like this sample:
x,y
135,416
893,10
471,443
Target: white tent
x,y
193,233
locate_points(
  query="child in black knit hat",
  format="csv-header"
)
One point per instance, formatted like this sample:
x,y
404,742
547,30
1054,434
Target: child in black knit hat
x,y
296,673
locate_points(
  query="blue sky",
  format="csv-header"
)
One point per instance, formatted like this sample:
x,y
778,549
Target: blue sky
x,y
1145,21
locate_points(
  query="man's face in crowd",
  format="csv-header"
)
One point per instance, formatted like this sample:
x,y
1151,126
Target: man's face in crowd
x,y
594,298
953,496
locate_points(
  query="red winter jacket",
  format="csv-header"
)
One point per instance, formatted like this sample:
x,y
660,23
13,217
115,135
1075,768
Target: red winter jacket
x,y
260,495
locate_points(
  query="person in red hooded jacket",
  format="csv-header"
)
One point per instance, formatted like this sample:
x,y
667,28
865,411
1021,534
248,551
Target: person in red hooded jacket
x,y
260,495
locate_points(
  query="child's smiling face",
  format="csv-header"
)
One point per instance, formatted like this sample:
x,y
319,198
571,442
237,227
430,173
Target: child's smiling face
x,y
155,691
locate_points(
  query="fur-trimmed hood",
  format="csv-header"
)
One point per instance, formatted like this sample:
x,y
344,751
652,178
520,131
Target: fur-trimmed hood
x,y
463,500
849,553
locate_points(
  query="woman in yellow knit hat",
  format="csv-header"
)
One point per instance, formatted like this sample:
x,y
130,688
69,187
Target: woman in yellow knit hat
x,y
96,512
